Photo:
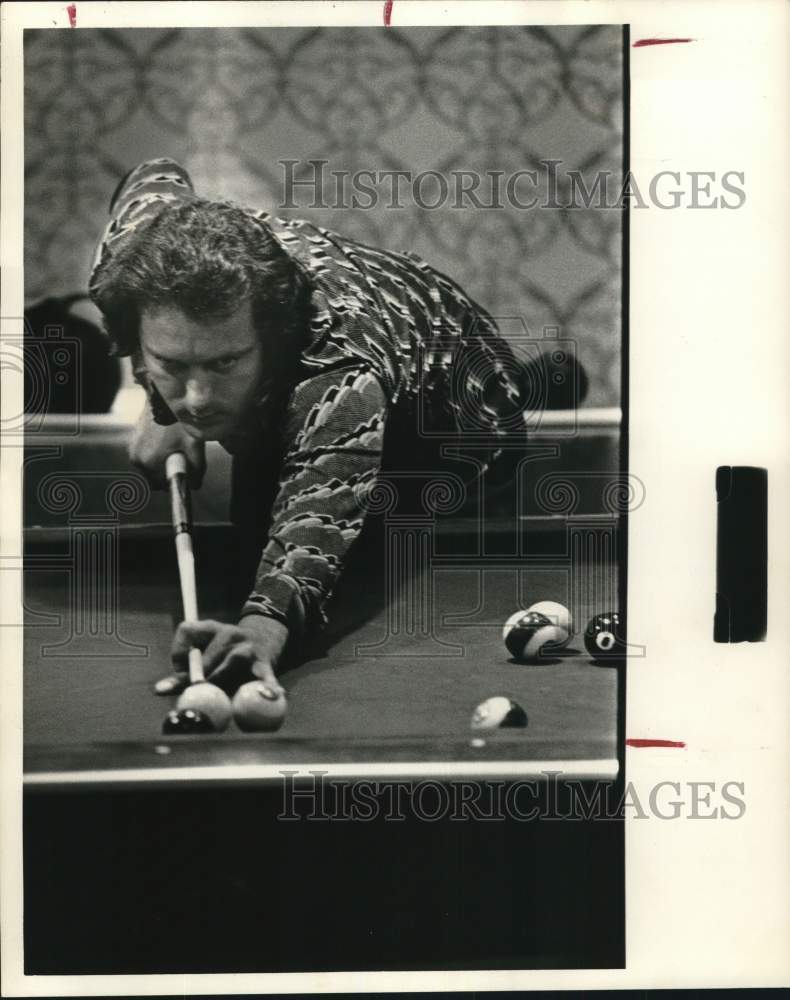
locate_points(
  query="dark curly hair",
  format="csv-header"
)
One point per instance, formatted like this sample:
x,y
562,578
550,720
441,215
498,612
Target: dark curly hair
x,y
206,258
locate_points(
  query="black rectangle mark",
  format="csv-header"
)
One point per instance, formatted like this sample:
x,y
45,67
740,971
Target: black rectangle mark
x,y
741,554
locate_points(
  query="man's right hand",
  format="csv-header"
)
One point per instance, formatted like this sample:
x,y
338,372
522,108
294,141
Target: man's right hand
x,y
152,443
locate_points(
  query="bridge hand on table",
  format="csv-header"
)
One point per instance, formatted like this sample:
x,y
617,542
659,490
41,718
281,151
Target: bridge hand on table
x,y
232,655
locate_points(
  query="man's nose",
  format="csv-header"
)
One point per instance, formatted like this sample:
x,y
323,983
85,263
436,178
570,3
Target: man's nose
x,y
198,395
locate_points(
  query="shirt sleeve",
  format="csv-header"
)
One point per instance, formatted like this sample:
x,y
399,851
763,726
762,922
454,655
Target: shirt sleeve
x,y
334,434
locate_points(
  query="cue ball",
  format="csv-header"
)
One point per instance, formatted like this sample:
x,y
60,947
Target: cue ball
x,y
557,614
528,635
186,722
498,712
208,699
603,638
257,708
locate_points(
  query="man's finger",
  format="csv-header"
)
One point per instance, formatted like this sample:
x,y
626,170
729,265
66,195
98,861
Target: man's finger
x,y
234,667
221,644
192,634
172,684
264,671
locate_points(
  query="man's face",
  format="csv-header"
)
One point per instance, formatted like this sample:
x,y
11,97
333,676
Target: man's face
x,y
207,373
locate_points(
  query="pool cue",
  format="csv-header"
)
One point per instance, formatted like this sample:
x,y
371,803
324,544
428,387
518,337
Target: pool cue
x,y
176,472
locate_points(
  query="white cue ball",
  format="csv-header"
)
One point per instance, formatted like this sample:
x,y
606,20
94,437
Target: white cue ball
x,y
558,615
258,708
208,699
497,712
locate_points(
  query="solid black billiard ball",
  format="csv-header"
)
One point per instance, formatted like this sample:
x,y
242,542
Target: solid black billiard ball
x,y
185,722
604,637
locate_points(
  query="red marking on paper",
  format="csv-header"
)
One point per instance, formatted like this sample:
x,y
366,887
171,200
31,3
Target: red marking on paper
x,y
387,13
654,743
642,42
71,10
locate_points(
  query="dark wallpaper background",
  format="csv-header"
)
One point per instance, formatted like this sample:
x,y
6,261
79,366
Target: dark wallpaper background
x,y
231,103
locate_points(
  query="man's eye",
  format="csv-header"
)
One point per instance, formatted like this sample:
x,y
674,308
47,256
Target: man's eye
x,y
171,367
224,364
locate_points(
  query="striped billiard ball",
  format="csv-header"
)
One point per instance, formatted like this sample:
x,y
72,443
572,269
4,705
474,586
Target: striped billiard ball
x,y
497,713
557,614
528,635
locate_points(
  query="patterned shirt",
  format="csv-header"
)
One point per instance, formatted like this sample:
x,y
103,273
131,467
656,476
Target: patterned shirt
x,y
391,340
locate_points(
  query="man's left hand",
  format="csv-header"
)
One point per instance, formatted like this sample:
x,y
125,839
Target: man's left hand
x,y
232,654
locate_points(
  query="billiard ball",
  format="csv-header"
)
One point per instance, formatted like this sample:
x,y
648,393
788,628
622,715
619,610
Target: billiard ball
x,y
604,637
558,615
498,712
528,635
259,708
185,722
209,700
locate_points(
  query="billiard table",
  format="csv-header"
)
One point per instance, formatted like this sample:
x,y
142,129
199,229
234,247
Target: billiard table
x,y
141,838
392,685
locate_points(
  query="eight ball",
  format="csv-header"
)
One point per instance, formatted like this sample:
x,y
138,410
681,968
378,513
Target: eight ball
x,y
604,637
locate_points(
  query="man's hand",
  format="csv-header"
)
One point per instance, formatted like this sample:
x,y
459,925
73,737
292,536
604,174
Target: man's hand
x,y
152,443
232,654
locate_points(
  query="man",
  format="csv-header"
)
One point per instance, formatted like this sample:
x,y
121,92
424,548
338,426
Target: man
x,y
325,367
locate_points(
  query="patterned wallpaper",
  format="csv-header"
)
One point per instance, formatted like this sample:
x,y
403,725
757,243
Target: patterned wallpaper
x,y
232,103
